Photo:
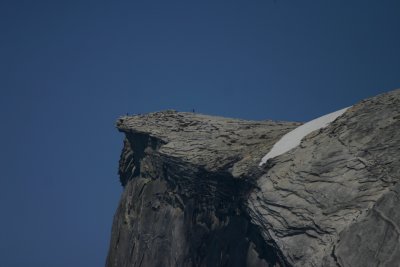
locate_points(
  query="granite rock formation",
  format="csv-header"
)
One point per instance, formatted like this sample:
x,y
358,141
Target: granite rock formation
x,y
195,195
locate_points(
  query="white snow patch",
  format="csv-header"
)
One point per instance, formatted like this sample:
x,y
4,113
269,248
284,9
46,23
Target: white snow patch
x,y
293,138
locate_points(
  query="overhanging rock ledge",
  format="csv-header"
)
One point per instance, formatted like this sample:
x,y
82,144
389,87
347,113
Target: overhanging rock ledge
x,y
194,194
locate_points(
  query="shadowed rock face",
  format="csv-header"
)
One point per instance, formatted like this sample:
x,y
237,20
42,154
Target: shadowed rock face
x,y
194,194
186,178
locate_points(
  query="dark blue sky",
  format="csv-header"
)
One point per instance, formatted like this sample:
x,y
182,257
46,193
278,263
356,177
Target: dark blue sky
x,y
68,69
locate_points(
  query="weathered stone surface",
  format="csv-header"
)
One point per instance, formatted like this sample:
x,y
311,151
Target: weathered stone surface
x,y
213,143
194,194
375,239
186,178
329,201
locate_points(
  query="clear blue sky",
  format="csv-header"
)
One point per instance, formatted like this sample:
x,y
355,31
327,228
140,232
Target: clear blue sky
x,y
68,69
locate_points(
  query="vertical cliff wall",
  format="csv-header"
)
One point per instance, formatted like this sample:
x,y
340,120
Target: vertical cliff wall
x,y
195,195
186,177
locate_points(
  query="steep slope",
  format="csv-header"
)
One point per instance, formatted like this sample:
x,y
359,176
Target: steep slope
x,y
186,178
293,138
195,195
333,201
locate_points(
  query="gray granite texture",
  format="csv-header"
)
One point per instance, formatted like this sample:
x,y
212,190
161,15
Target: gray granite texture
x,y
194,194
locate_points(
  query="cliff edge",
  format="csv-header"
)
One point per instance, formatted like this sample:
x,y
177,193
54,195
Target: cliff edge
x,y
196,195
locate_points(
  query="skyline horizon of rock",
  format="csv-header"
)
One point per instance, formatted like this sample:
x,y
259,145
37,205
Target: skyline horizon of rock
x,y
194,194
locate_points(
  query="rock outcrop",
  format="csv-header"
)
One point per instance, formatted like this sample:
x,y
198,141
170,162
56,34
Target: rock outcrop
x,y
195,195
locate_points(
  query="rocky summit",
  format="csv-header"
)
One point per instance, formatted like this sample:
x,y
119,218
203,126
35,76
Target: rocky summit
x,y
195,193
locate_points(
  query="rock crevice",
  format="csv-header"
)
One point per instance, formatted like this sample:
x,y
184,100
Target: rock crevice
x,y
186,178
195,195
